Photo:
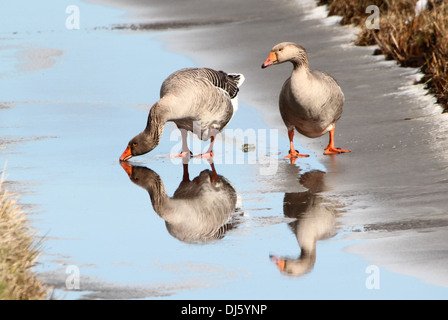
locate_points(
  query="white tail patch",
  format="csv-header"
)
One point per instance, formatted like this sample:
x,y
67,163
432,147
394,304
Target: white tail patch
x,y
241,78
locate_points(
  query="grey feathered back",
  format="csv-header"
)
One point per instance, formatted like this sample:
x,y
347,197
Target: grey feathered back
x,y
228,82
202,95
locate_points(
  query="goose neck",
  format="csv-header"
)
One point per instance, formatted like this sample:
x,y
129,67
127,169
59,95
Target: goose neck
x,y
157,194
156,122
300,71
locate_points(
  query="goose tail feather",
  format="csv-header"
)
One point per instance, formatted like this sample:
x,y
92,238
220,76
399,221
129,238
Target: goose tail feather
x,y
238,77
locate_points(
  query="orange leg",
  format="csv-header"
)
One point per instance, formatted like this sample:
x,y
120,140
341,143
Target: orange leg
x,y
185,153
331,149
293,153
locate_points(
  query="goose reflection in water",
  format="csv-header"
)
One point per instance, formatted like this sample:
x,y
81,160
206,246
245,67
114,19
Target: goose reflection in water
x,y
200,210
315,220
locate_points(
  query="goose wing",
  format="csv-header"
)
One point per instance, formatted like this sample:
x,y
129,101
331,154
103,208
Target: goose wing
x,y
181,79
229,82
334,97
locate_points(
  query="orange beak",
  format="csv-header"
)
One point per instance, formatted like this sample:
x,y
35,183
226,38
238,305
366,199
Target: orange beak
x,y
127,154
271,60
279,262
127,167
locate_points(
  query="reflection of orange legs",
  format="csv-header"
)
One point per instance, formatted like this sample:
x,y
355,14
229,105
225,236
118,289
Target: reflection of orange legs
x,y
331,149
293,153
186,175
209,153
214,174
279,262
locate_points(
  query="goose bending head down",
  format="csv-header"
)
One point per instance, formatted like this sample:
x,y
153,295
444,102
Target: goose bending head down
x,y
200,100
201,209
310,101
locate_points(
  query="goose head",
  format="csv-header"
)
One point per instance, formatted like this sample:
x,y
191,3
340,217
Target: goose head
x,y
142,176
149,138
295,267
140,144
286,51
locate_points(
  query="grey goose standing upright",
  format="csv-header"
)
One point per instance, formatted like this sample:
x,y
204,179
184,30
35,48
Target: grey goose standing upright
x,y
310,101
200,100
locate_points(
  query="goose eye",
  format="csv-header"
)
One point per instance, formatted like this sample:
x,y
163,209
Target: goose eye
x,y
134,144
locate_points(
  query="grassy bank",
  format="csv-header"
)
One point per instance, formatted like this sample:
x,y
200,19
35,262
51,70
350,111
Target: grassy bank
x,y
419,41
18,253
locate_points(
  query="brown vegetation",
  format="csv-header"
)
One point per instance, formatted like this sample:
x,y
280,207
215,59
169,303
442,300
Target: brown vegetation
x,y
18,253
412,40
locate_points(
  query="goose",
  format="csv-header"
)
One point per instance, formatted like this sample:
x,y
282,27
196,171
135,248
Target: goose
x,y
310,100
200,210
200,100
315,220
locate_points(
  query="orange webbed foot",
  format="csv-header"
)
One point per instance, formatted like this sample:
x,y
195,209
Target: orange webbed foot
x,y
331,149
334,150
207,155
294,155
183,154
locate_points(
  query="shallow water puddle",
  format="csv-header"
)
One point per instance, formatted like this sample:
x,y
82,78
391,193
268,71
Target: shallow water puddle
x,y
97,221
63,127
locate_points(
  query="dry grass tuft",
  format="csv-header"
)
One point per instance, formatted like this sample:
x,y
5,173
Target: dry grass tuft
x,y
413,41
18,253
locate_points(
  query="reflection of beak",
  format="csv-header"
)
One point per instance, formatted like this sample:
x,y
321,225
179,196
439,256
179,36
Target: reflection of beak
x,y
127,154
272,59
279,262
127,167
